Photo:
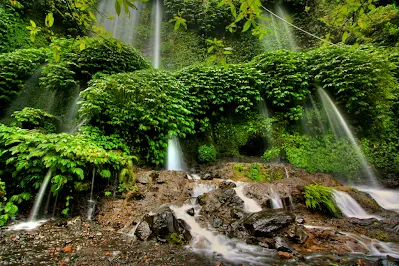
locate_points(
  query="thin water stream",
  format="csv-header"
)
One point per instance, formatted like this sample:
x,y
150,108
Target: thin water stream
x,y
174,155
349,207
157,14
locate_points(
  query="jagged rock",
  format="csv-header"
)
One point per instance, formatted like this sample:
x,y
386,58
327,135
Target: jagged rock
x,y
230,196
227,185
207,177
164,224
143,231
191,212
266,222
284,255
280,244
302,237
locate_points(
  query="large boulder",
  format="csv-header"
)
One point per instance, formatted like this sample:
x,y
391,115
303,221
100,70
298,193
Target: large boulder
x,y
266,222
165,227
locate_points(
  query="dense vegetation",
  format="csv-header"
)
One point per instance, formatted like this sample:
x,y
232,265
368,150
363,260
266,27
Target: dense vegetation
x,y
132,110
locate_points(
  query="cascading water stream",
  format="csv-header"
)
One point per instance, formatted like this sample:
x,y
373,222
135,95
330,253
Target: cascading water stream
x,y
289,35
32,221
349,207
157,13
334,116
275,200
174,155
387,199
210,242
250,205
122,27
91,202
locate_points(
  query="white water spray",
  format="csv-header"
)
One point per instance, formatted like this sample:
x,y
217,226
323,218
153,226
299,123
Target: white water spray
x,y
174,155
275,200
250,205
334,116
387,199
157,35
349,207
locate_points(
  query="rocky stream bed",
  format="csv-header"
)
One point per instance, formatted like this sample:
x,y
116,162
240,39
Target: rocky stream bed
x,y
175,220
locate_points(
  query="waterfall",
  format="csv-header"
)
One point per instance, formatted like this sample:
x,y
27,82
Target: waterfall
x,y
281,36
157,20
250,205
337,121
349,207
92,204
387,199
288,33
174,155
275,200
122,27
32,222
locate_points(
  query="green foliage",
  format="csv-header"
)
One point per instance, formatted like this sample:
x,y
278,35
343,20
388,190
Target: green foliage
x,y
322,154
254,173
206,154
144,108
174,238
215,91
229,136
361,80
16,67
107,56
31,118
257,172
27,155
13,34
383,154
272,154
286,81
320,198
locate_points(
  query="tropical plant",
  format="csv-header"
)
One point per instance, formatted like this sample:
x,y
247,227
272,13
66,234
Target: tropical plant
x,y
206,154
144,107
320,198
31,118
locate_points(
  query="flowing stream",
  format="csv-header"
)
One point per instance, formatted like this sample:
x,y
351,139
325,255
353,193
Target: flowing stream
x,y
92,204
250,205
387,199
209,242
349,207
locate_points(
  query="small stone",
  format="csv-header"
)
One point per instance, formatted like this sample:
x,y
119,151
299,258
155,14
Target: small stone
x,y
108,254
300,220
284,255
218,223
67,249
191,212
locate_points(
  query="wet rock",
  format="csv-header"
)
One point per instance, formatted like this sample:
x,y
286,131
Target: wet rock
x,y
164,225
230,196
389,261
362,222
217,223
266,222
280,244
284,255
191,212
302,237
207,177
300,220
143,231
227,185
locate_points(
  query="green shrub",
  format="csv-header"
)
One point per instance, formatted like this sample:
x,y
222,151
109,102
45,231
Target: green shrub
x,y
107,56
28,155
31,118
286,81
322,154
142,107
206,154
216,92
16,67
320,198
272,154
361,80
